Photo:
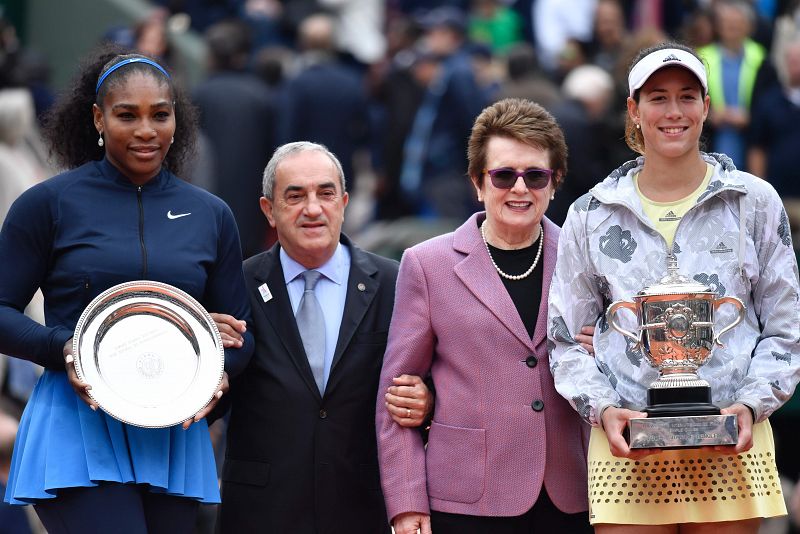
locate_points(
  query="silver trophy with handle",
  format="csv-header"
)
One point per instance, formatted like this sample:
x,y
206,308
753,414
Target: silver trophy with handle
x,y
676,334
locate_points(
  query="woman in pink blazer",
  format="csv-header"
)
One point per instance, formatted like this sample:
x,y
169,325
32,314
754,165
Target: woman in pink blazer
x,y
506,453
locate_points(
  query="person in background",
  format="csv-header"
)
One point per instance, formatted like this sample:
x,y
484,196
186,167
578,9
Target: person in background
x,y
485,70
399,87
495,25
237,116
326,101
526,80
118,214
556,23
433,152
775,133
22,165
609,36
23,67
698,29
359,27
583,116
786,30
150,36
505,453
733,64
21,154
729,231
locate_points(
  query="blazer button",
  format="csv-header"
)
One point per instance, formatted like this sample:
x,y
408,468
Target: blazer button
x,y
537,405
323,414
531,361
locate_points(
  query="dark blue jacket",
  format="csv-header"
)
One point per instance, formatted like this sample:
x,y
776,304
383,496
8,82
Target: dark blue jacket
x,y
326,103
83,231
237,114
775,128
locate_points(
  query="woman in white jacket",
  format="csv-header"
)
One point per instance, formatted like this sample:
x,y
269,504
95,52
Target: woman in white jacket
x,y
728,230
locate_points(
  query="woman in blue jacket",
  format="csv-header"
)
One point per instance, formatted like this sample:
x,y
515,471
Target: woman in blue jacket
x,y
119,214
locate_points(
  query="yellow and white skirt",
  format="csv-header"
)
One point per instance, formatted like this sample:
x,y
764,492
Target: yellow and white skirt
x,y
684,485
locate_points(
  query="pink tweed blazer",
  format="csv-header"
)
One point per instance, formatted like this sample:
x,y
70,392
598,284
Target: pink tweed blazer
x,y
489,451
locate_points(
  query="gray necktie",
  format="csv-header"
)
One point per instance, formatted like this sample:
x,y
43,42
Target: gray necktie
x,y
311,323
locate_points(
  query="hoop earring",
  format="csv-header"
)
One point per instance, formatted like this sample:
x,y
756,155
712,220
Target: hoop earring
x,y
100,141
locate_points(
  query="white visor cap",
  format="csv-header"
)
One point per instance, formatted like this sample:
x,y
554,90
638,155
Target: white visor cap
x,y
668,57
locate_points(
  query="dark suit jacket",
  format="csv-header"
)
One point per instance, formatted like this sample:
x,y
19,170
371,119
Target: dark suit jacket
x,y
297,462
326,103
237,115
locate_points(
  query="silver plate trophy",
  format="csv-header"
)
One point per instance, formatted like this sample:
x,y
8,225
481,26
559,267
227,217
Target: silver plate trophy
x,y
151,352
676,335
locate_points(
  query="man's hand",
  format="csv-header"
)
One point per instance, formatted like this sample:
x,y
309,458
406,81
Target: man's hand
x,y
230,329
409,401
81,388
410,522
586,338
223,388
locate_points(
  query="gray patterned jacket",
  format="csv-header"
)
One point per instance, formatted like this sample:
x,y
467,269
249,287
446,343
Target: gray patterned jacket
x,y
609,251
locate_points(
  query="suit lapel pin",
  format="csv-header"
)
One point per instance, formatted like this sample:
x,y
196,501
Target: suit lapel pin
x,y
361,286
266,295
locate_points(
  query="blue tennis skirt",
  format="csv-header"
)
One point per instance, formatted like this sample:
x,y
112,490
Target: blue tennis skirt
x,y
62,443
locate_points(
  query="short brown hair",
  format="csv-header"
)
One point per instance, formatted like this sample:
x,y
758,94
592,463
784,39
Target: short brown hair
x,y
521,120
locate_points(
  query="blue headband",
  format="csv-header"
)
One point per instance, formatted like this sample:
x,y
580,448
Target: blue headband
x,y
128,62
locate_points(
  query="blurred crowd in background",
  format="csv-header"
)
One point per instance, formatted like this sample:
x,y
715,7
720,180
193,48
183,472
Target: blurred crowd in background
x,y
392,88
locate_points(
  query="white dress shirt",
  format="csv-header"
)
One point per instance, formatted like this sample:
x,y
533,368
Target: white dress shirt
x,y
331,292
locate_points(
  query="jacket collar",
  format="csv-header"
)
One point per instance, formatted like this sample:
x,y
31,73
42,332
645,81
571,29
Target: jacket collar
x,y
479,276
108,170
271,259
362,286
618,187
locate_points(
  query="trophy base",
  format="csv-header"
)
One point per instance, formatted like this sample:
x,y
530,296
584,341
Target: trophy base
x,y
681,432
681,409
699,395
681,418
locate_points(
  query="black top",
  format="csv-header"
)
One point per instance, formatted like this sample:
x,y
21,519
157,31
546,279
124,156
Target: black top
x,y
526,293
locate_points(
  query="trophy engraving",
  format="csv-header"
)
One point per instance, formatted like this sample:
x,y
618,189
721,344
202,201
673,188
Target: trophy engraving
x,y
150,351
150,365
676,335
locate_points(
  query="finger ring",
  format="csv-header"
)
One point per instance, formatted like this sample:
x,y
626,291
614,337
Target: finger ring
x,y
408,413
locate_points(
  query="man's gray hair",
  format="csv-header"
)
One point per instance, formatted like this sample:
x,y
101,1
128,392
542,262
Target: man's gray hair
x,y
587,82
289,149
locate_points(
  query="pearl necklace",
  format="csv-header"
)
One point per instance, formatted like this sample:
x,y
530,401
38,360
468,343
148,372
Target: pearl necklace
x,y
500,271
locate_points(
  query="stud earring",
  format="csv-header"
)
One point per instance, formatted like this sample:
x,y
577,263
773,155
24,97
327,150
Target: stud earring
x,y
100,141
638,126
172,140
552,196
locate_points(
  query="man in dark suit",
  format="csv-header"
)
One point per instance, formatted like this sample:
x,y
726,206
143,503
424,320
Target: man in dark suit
x,y
301,452
325,86
237,117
